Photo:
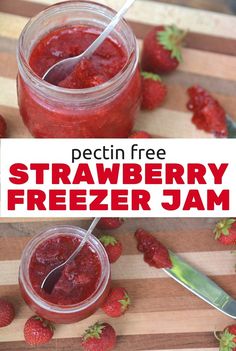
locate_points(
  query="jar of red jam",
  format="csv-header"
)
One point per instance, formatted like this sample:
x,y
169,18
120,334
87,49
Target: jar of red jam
x,y
101,97
83,285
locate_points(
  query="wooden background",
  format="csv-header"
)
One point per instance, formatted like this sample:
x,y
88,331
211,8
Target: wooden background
x,y
209,59
163,315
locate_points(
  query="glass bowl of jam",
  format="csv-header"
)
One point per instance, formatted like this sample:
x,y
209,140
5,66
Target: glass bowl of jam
x,y
83,285
101,97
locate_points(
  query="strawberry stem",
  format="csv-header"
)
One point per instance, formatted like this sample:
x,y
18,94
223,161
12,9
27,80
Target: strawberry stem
x,y
171,39
223,227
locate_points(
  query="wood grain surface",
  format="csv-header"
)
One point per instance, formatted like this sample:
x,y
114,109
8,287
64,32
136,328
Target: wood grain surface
x,y
209,60
163,314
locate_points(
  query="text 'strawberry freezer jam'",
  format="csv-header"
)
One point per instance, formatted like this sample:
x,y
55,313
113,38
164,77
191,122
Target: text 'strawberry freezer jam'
x,y
101,97
83,285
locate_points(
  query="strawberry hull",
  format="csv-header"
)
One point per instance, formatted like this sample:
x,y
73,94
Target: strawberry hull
x,y
162,49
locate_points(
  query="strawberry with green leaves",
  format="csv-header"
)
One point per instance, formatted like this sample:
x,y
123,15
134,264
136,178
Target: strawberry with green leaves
x,y
154,91
7,313
99,337
162,49
112,246
38,331
225,231
116,303
227,338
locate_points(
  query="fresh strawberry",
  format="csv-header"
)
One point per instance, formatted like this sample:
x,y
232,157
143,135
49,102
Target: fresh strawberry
x,y
7,313
112,246
110,223
38,331
208,114
153,91
116,303
162,49
225,231
155,254
99,337
3,127
227,338
139,134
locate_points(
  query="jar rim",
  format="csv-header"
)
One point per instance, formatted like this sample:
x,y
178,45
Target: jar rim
x,y
36,80
43,236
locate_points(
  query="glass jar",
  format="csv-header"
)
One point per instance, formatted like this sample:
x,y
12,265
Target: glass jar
x,y
105,111
67,313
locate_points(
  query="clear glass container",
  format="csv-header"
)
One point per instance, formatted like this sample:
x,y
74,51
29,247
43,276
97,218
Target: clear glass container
x,y
107,110
67,313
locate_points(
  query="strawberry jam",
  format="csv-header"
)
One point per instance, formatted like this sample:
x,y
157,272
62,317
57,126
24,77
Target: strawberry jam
x,y
83,285
79,279
101,97
104,64
208,114
155,254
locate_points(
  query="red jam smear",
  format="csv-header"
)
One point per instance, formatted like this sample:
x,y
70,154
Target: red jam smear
x,y
208,114
79,279
104,64
155,254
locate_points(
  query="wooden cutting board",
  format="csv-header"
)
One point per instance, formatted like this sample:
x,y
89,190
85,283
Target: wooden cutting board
x,y
163,314
209,60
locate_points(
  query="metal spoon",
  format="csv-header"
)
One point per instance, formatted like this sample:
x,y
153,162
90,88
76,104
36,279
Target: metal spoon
x,y
52,278
63,68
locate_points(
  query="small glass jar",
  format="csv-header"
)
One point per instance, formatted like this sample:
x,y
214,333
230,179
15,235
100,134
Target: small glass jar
x,y
67,313
107,110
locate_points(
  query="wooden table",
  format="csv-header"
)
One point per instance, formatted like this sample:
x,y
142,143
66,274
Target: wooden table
x,y
163,315
209,60
222,6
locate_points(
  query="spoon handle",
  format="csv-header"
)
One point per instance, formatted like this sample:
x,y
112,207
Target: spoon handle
x,y
83,242
108,29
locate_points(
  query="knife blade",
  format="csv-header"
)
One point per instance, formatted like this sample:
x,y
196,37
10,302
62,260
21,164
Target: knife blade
x,y
231,125
202,286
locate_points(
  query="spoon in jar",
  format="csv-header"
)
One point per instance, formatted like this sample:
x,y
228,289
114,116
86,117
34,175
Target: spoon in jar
x,y
63,68
54,275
